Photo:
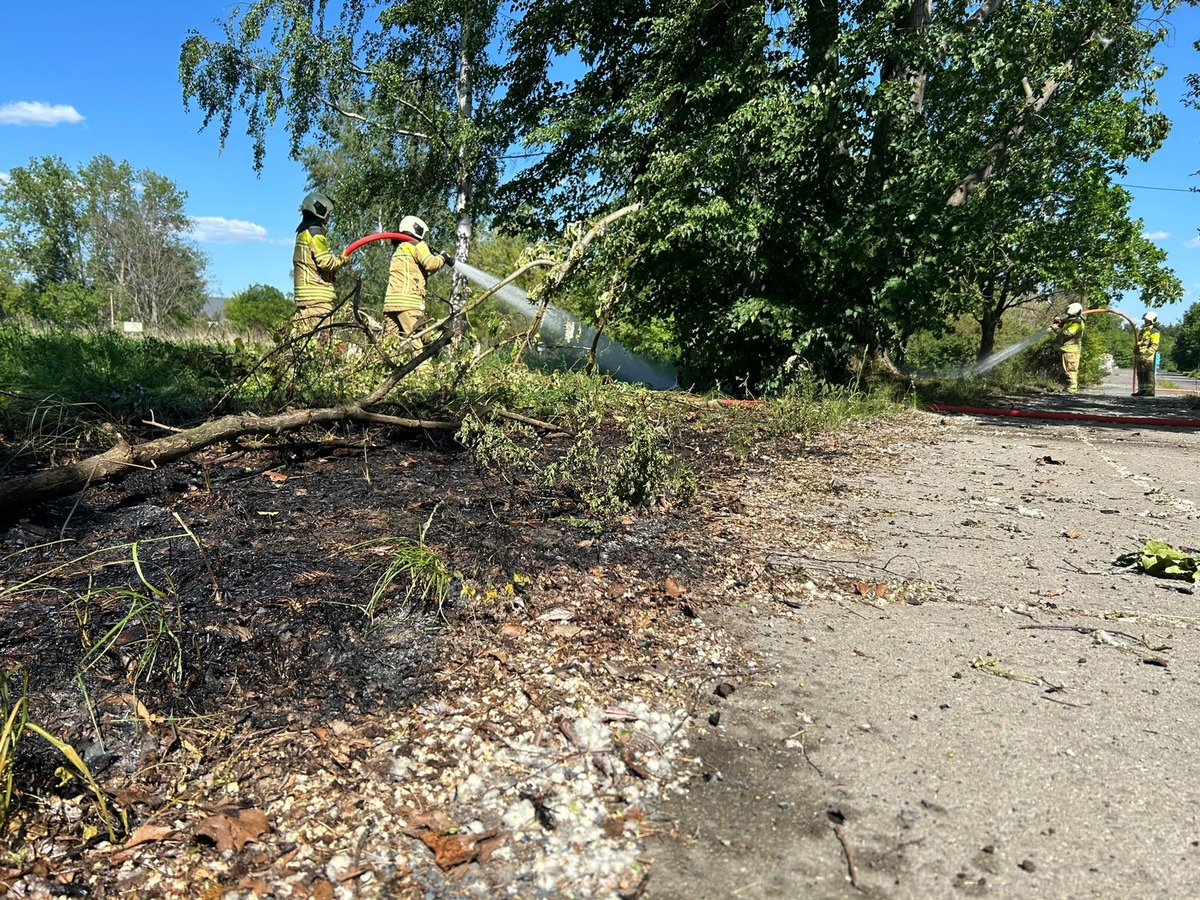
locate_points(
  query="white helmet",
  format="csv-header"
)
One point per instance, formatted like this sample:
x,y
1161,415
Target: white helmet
x,y
1075,309
1150,318
414,226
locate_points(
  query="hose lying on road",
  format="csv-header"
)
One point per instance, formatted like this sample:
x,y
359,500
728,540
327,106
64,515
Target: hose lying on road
x,y
1067,416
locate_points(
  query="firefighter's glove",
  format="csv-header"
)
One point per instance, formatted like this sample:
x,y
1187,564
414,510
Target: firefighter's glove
x,y
446,258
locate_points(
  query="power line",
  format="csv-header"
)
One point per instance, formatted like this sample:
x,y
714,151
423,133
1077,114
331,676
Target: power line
x,y
1146,187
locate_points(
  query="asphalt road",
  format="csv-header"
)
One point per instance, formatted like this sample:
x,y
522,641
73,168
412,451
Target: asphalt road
x,y
1015,718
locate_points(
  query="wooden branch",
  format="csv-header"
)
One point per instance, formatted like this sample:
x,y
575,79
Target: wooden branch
x,y
16,494
574,255
999,148
325,101
426,424
982,14
526,420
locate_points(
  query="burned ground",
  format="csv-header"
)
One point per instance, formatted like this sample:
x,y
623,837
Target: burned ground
x,y
902,663
230,620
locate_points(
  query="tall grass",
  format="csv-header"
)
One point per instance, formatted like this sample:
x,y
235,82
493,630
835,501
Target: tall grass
x,y
110,376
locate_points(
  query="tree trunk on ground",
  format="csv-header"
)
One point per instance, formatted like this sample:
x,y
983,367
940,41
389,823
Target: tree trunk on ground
x,y
17,494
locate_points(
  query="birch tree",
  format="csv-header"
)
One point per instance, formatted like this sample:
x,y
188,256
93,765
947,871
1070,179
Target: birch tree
x,y
399,94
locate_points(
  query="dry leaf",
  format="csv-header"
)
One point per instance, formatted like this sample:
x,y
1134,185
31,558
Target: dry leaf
x,y
496,654
674,588
434,820
511,629
867,589
233,829
307,578
260,887
143,834
1072,533
140,709
276,477
565,631
451,850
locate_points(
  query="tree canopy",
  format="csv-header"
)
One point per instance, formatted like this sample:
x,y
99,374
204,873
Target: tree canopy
x,y
817,179
97,241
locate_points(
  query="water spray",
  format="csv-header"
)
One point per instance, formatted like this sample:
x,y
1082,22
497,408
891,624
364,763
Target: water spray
x,y
995,359
559,330
1007,353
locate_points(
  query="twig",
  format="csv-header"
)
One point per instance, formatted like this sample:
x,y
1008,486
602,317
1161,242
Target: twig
x,y
536,423
808,759
203,556
151,421
1083,629
1054,699
851,868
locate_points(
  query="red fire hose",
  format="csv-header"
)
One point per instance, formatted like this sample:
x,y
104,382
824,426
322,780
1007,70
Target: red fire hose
x,y
1132,325
1084,417
381,236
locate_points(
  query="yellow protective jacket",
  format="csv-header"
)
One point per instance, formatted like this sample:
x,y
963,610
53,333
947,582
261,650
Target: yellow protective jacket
x,y
1070,335
411,265
314,266
1147,344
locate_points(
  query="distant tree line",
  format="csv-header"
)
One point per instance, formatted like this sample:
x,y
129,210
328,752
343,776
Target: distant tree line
x,y
101,243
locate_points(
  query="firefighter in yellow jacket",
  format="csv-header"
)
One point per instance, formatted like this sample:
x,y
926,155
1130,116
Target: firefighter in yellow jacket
x,y
314,266
1070,343
404,303
1147,354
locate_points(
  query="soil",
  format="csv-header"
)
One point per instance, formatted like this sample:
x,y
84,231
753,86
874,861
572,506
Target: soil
x,y
899,664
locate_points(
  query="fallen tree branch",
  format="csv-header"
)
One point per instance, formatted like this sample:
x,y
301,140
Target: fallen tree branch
x,y
17,494
122,458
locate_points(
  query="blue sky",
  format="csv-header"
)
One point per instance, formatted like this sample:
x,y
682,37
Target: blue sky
x,y
82,79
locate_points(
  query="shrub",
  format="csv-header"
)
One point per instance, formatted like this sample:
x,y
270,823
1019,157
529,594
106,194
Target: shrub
x,y
259,306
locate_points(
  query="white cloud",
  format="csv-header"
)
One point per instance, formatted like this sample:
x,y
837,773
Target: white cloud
x,y
1156,235
219,230
5,178
1192,243
27,113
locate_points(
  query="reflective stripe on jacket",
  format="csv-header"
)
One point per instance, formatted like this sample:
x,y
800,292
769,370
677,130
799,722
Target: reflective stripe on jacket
x,y
1148,343
314,266
1071,335
411,265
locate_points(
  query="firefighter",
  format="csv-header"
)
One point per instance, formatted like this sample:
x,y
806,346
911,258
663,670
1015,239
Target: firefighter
x,y
404,303
314,265
1069,330
1147,354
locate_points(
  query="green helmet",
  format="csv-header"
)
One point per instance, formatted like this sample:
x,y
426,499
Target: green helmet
x,y
317,203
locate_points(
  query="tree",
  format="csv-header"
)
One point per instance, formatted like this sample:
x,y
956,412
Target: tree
x,y
44,222
1186,352
259,306
810,169
1078,242
397,104
103,231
